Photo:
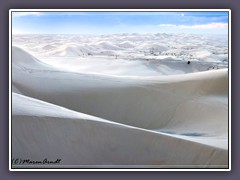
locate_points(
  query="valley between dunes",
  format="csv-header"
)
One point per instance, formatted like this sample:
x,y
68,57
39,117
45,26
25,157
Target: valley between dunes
x,y
126,114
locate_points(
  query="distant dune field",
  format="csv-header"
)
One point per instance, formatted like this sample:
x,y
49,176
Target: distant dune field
x,y
126,100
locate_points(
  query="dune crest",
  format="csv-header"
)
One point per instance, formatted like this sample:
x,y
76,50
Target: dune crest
x,y
99,118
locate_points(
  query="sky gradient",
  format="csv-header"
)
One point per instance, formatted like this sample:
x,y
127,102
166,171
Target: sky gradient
x,y
119,22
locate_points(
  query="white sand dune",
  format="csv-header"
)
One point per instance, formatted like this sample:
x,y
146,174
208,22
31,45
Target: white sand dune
x,y
131,46
52,131
96,118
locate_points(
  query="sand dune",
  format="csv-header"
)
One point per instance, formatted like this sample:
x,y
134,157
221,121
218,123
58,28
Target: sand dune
x,y
53,131
130,46
98,118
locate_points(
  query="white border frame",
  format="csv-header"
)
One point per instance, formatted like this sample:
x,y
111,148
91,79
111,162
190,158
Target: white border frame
x,y
120,10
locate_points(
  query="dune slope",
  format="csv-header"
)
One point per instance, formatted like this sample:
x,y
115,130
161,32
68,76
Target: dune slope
x,y
155,120
52,131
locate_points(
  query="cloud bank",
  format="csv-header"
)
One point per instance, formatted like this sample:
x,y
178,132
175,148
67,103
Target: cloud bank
x,y
198,26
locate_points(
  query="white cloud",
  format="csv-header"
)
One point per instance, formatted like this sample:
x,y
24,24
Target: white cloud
x,y
206,26
77,13
53,13
18,14
198,26
167,25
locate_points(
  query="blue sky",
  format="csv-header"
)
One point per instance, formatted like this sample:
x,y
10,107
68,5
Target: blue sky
x,y
119,22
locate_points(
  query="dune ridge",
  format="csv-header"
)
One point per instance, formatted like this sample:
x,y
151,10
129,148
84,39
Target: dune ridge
x,y
85,140
103,119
